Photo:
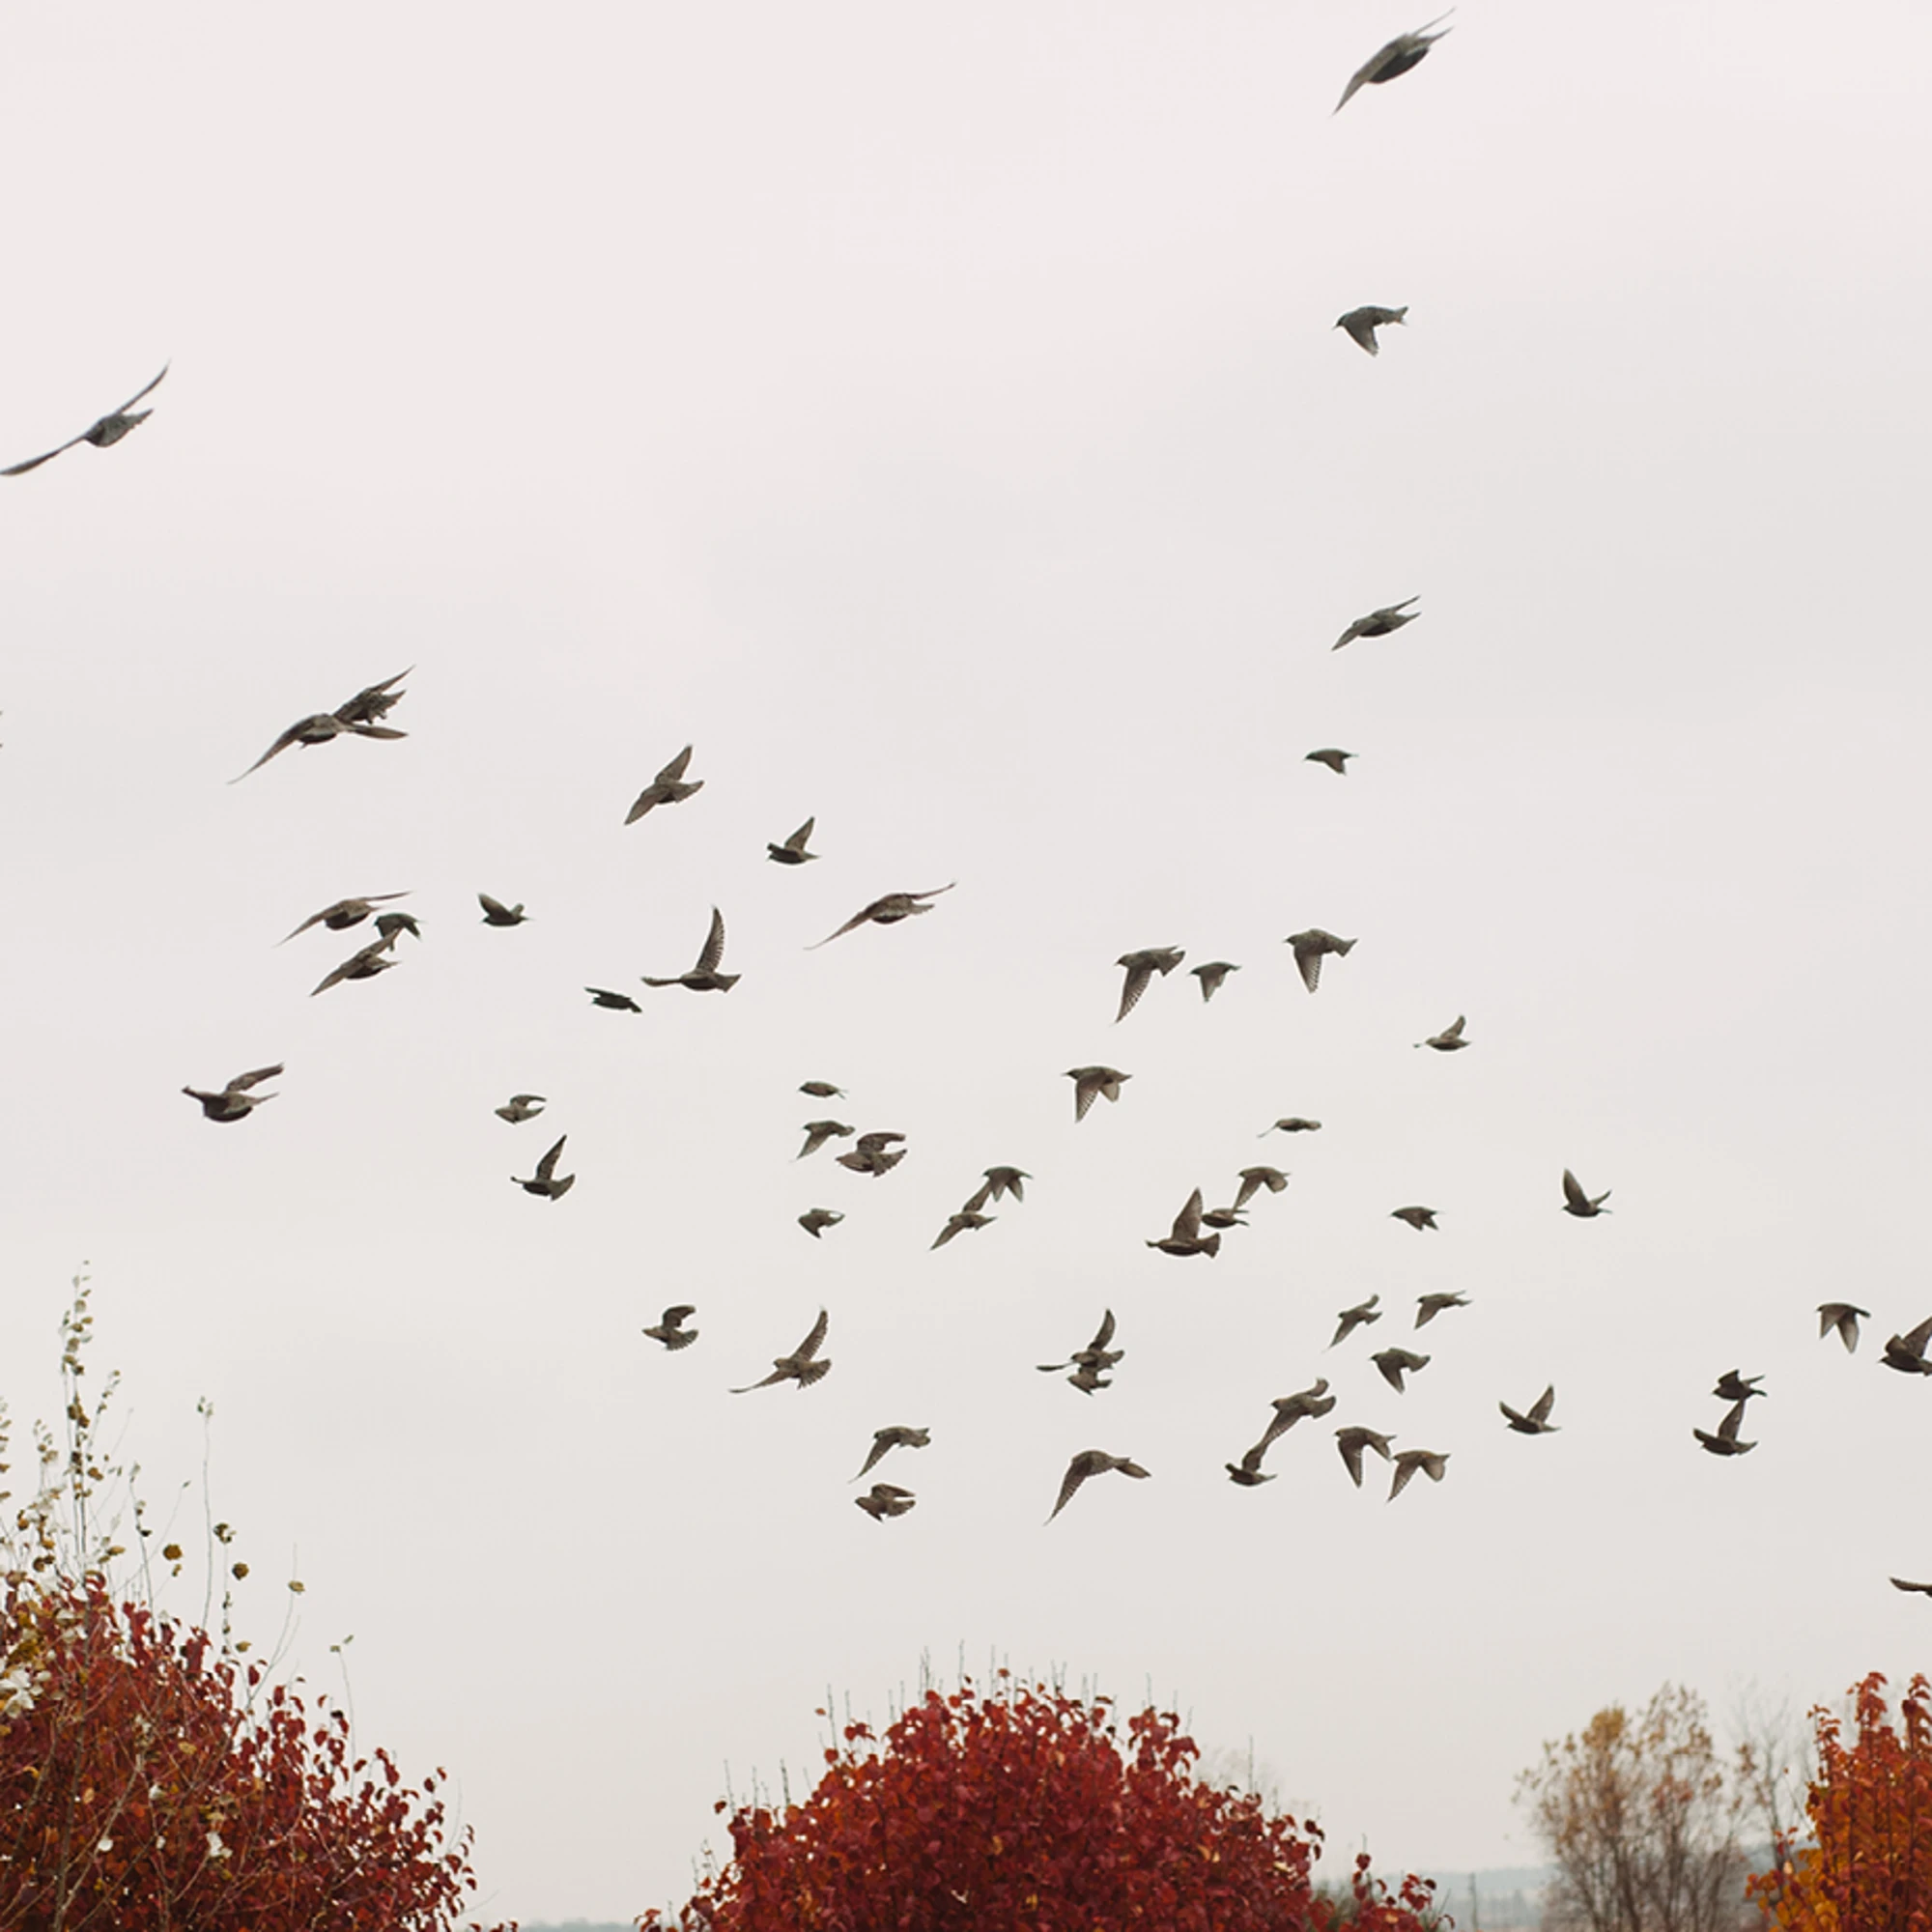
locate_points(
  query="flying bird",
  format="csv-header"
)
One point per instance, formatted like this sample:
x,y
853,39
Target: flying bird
x,y
873,1153
1408,1461
545,1182
1906,1352
389,923
1248,1472
1844,1318
897,1437
1725,1442
365,964
821,1090
1417,1218
235,1100
1211,975
1091,1362
1255,1179
1220,1218
818,1132
1288,1410
1186,1238
884,1499
1357,1317
666,789
1141,968
1352,1441
814,1220
1379,623
1401,55
1450,1040
618,1003
1311,948
1362,323
497,913
1734,1387
802,1366
1429,1306
104,432
704,977
1535,1420
1090,1082
1335,760
1002,1181
358,718
670,1329
1576,1201
1922,1589
1093,1462
1394,1363
1291,1123
960,1223
521,1107
792,852
343,913
887,911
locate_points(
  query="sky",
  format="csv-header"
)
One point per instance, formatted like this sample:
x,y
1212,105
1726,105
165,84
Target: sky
x,y
935,418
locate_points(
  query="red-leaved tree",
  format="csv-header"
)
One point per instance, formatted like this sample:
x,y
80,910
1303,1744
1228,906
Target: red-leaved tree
x,y
1869,1868
1028,1809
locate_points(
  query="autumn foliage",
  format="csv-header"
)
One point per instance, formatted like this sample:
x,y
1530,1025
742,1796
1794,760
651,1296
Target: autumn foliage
x,y
1028,1809
1869,1868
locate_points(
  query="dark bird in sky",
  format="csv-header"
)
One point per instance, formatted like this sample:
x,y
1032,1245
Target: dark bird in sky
x,y
358,718
887,911
545,1180
670,1329
1362,323
1408,1461
1379,623
343,913
1248,1472
1094,1082
1429,1306
235,1100
1211,975
1002,1181
1336,760
815,1220
1357,1317
667,788
102,435
1401,55
1091,1362
1352,1441
1186,1238
1417,1218
1395,1363
1450,1040
1304,1403
390,924
821,1090
873,1153
802,1366
365,964
897,1437
1291,1123
1535,1420
618,1003
965,1220
1313,947
818,1132
1922,1589
884,1499
521,1107
1576,1201
1906,1352
1725,1442
704,977
497,913
1220,1218
1735,1388
1092,1463
792,852
1255,1179
1141,968
1844,1318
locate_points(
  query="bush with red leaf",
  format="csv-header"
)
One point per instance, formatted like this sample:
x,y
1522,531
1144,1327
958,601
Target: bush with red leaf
x,y
1869,1868
1029,1810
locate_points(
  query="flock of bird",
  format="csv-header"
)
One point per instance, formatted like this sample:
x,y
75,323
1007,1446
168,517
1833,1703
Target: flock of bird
x,y
1197,1230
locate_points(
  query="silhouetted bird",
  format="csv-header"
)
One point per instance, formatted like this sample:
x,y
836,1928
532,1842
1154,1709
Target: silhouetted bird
x,y
1725,1442
1352,1441
670,1329
1362,323
1906,1352
497,913
1090,1362
1577,1201
897,1437
1211,975
704,977
1003,1181
1255,1179
1844,1318
103,434
1141,967
1734,1387
1186,1238
1429,1306
545,1182
818,1132
1408,1461
666,789
234,1101
1091,1082
1291,1123
884,1499
1304,1403
887,911
965,1220
1336,760
621,1003
1357,1317
1311,948
801,1366
521,1107
389,923
1450,1040
873,1153
1092,1463
1536,1421
1379,623
814,1220
792,852
363,964
1417,1218
343,913
1248,1471
1401,55
821,1090
1395,1363
356,719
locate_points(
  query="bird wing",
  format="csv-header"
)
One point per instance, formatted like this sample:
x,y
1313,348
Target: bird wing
x,y
138,395
714,944
674,771
1136,983
796,843
281,743
1104,1333
683,1312
809,1347
1187,1223
1727,1429
547,1166
1453,1031
881,1442
369,704
1899,1584
1540,1409
1572,1190
1915,1339
35,461
254,1078
1406,1465
858,918
1077,1472
491,906
1351,1447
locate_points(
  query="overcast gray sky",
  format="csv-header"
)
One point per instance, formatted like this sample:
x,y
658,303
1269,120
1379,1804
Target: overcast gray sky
x,y
935,416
